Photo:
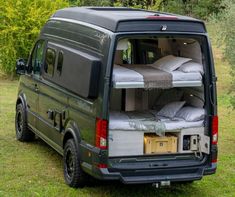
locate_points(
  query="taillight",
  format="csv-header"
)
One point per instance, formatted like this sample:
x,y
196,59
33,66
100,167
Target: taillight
x,y
168,17
214,128
214,160
101,165
101,133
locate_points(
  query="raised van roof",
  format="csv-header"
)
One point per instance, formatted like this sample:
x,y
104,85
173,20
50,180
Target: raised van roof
x,y
130,20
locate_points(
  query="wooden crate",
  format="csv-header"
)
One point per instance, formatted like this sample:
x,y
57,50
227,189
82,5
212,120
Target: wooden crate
x,y
156,144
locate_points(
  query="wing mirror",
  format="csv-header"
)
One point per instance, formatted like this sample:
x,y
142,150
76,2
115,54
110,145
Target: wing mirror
x,y
21,66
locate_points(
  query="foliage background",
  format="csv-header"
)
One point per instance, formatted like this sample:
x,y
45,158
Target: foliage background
x,y
20,22
224,24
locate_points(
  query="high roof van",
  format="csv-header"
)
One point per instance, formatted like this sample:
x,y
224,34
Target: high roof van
x,y
122,94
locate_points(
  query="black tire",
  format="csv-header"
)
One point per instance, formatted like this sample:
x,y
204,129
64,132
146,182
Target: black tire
x,y
73,173
23,134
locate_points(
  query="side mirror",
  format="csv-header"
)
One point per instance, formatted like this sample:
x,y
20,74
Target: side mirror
x,y
21,66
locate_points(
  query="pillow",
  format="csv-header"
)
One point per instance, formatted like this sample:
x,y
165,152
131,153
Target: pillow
x,y
170,63
191,67
170,109
162,61
191,113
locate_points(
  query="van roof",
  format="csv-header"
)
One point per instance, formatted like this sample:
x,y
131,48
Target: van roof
x,y
121,18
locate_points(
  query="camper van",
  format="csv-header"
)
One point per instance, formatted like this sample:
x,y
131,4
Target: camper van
x,y
122,94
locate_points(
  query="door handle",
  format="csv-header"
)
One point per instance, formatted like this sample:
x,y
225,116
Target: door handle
x,y
50,114
53,114
36,87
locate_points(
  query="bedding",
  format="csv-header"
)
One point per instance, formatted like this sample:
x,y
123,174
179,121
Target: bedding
x,y
191,113
148,121
153,78
182,76
170,109
149,77
170,63
191,67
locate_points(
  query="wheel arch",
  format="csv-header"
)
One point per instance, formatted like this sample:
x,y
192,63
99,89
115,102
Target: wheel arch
x,y
21,100
72,131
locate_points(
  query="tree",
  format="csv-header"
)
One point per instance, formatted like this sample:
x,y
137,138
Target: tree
x,y
20,23
91,2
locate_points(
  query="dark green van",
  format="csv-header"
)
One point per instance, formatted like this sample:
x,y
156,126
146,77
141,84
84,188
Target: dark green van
x,y
122,94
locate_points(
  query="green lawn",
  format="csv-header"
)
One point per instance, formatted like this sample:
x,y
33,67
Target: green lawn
x,y
34,169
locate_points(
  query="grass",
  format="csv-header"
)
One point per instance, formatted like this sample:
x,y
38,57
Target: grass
x,y
34,169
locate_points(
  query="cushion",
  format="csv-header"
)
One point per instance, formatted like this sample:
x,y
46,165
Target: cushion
x,y
162,61
191,67
170,109
191,114
170,63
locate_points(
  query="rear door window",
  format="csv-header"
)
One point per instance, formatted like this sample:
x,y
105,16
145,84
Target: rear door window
x,y
60,62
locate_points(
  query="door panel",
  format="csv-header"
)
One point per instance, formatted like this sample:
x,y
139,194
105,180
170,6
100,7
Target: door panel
x,y
52,102
31,94
52,111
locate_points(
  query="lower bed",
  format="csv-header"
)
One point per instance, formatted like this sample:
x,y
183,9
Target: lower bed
x,y
127,78
147,121
127,131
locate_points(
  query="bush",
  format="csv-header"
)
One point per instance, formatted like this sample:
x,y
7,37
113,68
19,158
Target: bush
x,y
91,2
196,8
20,23
224,32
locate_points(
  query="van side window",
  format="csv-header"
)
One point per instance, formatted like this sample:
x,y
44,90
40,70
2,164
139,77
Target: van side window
x,y
50,61
60,62
37,57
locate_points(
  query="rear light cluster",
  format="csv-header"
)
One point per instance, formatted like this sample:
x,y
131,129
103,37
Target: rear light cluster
x,y
101,133
214,128
102,165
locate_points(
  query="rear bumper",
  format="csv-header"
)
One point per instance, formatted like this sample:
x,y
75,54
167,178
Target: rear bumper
x,y
154,176
149,170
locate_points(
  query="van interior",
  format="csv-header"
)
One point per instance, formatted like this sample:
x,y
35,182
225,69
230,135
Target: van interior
x,y
157,101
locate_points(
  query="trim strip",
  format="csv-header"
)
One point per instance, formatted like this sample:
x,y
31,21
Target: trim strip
x,y
84,23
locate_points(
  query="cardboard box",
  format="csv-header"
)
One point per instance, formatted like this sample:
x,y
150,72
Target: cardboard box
x,y
156,144
123,143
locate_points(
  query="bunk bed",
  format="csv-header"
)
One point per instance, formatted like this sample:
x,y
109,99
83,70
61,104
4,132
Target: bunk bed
x,y
173,72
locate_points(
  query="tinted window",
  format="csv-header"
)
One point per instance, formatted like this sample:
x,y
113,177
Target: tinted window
x,y
50,61
60,62
37,57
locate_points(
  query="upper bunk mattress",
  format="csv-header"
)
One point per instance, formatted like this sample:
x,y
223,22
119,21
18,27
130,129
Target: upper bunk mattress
x,y
128,78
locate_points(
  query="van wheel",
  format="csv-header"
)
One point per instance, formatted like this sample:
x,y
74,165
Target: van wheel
x,y
73,173
23,134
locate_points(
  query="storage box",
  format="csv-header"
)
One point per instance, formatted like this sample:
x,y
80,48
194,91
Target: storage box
x,y
123,143
156,144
